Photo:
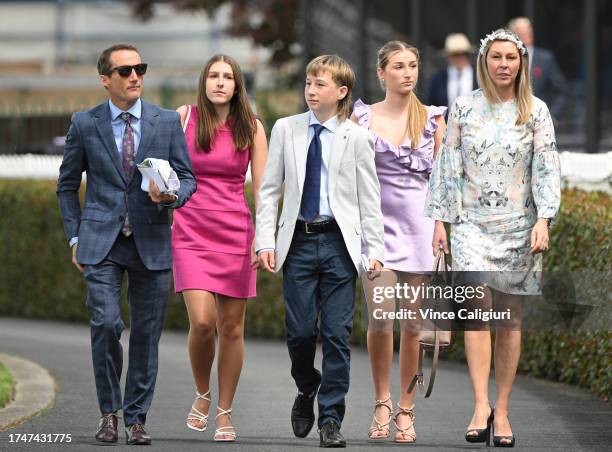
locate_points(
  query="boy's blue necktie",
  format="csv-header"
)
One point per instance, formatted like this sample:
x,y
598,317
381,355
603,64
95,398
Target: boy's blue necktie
x,y
311,194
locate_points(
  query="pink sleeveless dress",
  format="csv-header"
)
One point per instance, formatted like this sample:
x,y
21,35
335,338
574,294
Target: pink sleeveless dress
x,y
213,232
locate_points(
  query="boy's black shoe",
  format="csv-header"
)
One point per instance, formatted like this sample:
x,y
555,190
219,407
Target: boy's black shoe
x,y
330,435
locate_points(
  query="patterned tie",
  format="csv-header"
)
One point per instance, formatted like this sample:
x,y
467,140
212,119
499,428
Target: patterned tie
x,y
127,153
312,183
127,146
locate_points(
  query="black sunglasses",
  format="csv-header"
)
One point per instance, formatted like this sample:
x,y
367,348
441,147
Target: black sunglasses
x,y
126,71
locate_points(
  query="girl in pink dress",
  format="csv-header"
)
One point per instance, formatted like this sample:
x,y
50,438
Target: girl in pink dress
x,y
406,136
212,235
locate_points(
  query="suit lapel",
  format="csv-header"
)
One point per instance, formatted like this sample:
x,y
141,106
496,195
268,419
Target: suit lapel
x,y
338,148
300,147
148,125
444,87
105,130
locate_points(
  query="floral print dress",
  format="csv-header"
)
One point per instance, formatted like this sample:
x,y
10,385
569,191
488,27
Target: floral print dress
x,y
492,180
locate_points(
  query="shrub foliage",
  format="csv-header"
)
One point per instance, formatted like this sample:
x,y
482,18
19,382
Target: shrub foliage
x,y
38,281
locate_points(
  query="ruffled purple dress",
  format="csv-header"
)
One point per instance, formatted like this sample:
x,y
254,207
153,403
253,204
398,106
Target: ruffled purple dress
x,y
403,174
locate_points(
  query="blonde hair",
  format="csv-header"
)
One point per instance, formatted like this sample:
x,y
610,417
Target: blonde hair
x,y
342,74
241,118
417,113
522,84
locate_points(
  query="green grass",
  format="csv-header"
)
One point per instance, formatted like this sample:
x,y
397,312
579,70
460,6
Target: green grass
x,y
7,386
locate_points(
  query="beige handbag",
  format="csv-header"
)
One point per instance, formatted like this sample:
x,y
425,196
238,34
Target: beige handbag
x,y
430,337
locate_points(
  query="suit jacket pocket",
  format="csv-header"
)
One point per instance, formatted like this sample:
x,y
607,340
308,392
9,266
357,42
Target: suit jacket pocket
x,y
156,218
346,164
90,214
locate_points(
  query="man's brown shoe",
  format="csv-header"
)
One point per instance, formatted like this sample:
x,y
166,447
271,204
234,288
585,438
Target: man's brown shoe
x,y
107,429
136,435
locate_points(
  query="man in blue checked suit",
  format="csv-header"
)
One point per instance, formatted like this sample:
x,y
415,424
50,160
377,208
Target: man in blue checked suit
x,y
122,229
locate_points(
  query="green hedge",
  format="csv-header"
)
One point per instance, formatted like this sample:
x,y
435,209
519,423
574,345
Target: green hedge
x,y
38,281
581,239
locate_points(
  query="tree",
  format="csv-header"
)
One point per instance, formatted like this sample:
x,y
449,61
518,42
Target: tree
x,y
269,23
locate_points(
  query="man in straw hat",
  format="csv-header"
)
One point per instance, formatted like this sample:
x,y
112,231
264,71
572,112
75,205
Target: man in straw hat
x,y
458,77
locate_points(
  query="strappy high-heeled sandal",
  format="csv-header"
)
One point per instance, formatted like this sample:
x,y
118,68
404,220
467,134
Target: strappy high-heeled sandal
x,y
378,426
196,415
406,434
222,433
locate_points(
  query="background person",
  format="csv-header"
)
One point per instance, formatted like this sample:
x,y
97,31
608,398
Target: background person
x,y
458,77
547,80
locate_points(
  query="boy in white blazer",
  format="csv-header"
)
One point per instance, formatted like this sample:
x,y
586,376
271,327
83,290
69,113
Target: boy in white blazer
x,y
331,208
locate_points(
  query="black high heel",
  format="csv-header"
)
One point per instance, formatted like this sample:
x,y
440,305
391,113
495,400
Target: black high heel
x,y
483,435
497,441
503,441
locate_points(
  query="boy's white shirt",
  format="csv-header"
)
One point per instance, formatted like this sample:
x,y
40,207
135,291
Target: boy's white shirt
x,y
353,189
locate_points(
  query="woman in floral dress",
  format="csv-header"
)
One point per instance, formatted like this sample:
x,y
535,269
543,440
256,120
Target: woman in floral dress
x,y
497,182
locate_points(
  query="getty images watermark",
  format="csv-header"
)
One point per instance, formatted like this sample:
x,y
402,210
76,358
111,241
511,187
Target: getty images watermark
x,y
407,293
559,300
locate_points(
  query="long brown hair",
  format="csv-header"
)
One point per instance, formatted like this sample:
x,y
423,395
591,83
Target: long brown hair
x,y
417,113
241,118
522,83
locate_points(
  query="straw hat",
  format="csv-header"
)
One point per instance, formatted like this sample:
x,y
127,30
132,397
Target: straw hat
x,y
457,43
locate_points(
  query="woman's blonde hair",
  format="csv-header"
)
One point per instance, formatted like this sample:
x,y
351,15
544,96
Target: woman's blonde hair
x,y
522,84
342,74
241,117
417,113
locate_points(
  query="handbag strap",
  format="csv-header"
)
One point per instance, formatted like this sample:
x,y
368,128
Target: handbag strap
x,y
441,259
418,377
434,366
187,118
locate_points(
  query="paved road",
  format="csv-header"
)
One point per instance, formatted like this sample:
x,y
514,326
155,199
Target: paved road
x,y
545,416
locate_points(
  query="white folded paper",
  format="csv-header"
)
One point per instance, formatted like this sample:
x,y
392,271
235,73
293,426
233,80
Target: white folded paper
x,y
161,173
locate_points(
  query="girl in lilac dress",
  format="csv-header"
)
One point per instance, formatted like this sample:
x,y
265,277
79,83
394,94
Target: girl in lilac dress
x,y
406,135
212,235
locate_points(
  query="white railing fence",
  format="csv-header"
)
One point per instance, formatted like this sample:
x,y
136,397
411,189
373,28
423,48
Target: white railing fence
x,y
585,171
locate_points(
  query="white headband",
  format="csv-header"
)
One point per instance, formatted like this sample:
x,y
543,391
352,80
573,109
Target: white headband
x,y
501,35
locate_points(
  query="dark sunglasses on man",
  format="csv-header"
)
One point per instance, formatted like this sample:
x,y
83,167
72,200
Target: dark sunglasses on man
x,y
126,71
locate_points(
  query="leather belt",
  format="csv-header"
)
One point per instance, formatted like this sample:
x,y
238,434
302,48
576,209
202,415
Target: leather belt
x,y
316,228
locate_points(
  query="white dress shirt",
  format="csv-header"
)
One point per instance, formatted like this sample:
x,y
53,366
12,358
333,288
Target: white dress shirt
x,y
327,140
459,82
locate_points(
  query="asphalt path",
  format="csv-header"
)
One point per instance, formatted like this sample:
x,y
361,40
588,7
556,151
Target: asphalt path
x,y
545,416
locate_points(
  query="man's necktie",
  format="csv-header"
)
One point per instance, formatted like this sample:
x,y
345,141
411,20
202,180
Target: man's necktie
x,y
127,154
311,194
